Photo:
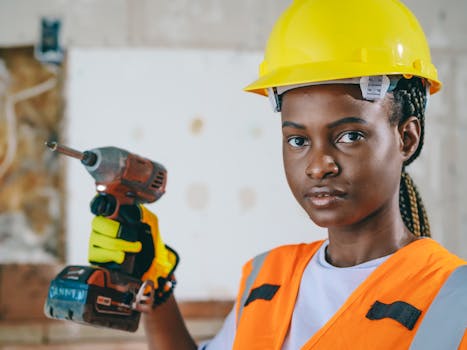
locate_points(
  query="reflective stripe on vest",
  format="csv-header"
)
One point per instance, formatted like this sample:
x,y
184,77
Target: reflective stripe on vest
x,y
256,266
445,322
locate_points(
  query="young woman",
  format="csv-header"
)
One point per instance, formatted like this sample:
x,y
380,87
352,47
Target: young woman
x,y
351,80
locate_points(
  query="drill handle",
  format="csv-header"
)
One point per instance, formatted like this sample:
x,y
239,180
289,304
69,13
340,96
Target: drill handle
x,y
107,205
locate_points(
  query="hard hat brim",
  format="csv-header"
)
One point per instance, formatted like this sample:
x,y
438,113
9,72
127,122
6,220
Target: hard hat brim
x,y
325,71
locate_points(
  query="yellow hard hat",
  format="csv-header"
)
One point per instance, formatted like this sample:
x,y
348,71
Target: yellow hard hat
x,y
323,40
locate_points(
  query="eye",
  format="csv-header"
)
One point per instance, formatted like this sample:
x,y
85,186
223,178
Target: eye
x,y
298,141
350,137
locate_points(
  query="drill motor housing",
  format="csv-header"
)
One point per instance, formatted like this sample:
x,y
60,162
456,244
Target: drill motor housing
x,y
129,178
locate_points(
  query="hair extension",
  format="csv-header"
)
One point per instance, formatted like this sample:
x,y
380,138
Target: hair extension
x,y
412,208
410,100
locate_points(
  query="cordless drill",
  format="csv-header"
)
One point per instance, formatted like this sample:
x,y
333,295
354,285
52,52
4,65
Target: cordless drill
x,y
106,294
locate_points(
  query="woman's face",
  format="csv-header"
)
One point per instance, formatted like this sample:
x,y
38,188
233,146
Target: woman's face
x,y
342,157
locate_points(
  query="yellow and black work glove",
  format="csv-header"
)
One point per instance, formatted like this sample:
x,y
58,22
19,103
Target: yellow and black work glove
x,y
135,234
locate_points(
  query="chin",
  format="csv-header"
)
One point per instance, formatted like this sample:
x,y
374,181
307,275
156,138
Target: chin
x,y
329,219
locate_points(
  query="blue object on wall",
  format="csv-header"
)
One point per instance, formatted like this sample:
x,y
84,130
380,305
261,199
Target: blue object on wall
x,y
48,50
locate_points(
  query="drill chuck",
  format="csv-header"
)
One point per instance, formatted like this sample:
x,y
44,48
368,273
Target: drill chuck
x,y
89,158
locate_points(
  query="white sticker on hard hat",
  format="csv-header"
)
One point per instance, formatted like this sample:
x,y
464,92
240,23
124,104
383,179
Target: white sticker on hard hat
x,y
374,87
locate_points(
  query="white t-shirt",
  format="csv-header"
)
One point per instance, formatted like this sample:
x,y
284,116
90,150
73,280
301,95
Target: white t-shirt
x,y
323,290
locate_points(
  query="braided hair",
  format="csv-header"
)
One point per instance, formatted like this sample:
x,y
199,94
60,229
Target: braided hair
x,y
410,100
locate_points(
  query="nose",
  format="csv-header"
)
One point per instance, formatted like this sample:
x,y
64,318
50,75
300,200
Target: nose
x,y
321,166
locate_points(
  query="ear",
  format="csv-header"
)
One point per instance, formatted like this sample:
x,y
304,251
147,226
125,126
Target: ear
x,y
409,132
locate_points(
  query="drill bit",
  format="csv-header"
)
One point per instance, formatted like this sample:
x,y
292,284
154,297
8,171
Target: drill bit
x,y
55,147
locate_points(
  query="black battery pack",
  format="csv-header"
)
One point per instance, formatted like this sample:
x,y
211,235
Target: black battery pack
x,y
94,295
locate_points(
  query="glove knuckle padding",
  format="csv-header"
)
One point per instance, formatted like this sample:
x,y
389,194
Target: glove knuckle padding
x,y
104,247
116,244
100,255
105,226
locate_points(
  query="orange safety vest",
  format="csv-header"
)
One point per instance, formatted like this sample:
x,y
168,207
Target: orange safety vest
x,y
384,312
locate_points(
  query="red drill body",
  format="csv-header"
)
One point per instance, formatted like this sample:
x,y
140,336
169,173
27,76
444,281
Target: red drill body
x,y
129,178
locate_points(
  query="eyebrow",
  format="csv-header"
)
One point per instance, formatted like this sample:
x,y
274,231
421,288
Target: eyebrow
x,y
293,125
345,120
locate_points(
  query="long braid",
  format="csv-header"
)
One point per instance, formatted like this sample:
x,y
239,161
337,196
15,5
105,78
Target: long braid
x,y
410,100
412,208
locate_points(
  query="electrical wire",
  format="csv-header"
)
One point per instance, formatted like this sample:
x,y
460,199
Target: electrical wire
x,y
10,115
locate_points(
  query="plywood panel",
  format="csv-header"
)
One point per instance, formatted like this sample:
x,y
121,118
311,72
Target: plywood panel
x,y
31,177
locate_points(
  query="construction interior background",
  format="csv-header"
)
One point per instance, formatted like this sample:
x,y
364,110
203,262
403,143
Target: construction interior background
x,y
164,79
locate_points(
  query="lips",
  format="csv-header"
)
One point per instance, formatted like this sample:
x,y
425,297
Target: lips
x,y
324,197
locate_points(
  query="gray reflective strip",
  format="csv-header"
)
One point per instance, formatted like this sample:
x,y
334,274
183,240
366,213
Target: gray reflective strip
x,y
256,263
446,320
